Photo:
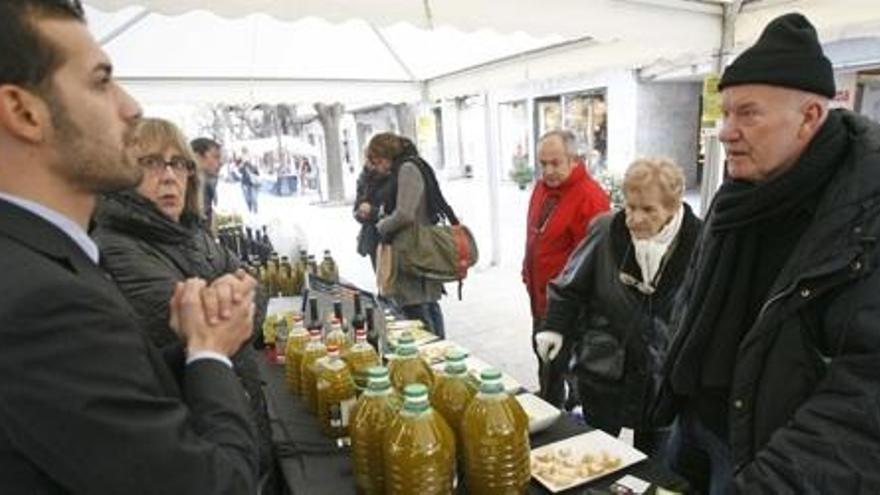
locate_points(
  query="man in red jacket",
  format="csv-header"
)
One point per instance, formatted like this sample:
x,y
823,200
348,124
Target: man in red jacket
x,y
563,203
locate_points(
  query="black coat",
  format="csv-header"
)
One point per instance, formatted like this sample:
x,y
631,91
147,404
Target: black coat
x,y
804,409
620,333
372,188
147,254
87,403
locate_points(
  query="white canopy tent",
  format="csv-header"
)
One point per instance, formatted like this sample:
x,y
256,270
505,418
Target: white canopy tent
x,y
387,51
362,53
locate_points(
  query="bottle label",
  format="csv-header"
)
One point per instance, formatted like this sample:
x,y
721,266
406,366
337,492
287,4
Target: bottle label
x,y
345,409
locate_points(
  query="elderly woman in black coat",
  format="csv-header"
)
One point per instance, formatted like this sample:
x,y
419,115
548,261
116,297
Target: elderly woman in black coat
x,y
615,296
154,236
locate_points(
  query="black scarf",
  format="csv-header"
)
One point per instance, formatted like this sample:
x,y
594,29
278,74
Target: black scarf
x,y
718,310
438,208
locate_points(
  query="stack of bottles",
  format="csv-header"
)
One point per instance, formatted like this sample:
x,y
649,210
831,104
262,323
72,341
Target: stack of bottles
x,y
279,276
443,431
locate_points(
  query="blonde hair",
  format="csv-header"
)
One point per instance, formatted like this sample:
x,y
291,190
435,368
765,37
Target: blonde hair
x,y
160,134
660,171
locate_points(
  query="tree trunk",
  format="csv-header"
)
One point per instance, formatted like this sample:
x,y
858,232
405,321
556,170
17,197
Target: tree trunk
x,y
329,116
406,120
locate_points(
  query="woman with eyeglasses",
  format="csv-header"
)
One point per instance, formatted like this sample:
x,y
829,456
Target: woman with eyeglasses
x,y
614,299
154,236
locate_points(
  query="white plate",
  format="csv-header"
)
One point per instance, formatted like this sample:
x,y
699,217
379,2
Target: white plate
x,y
435,352
541,413
594,443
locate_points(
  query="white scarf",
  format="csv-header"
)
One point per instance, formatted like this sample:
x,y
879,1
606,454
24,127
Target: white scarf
x,y
650,252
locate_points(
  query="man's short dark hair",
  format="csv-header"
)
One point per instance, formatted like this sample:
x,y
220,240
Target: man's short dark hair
x,y
28,59
203,145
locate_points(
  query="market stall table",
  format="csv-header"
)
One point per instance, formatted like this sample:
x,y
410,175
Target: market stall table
x,y
316,465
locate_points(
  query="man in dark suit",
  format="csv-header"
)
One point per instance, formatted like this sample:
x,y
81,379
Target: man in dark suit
x,y
87,405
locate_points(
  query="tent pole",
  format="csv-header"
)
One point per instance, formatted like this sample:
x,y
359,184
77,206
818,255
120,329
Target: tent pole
x,y
125,26
493,180
393,52
713,168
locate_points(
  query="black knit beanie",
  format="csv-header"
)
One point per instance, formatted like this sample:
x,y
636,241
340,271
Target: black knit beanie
x,y
787,54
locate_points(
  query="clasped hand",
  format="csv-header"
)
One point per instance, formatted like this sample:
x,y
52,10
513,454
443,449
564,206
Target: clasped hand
x,y
216,317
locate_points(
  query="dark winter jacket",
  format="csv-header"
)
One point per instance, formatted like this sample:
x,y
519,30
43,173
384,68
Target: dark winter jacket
x,y
372,188
804,406
620,333
579,200
147,253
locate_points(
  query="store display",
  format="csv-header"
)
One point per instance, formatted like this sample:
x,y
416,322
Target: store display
x,y
435,352
296,345
360,357
419,448
335,393
328,269
314,350
406,367
336,336
451,394
495,433
373,413
577,460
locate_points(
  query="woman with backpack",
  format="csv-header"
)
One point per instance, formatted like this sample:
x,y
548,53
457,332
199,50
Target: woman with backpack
x,y
414,197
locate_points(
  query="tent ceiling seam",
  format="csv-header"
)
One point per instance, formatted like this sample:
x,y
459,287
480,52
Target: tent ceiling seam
x,y
393,52
429,16
124,27
565,45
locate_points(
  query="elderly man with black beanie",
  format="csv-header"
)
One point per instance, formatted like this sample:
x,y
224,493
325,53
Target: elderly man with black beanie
x,y
773,376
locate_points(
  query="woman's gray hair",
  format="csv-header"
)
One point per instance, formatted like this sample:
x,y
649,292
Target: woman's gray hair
x,y
661,171
569,140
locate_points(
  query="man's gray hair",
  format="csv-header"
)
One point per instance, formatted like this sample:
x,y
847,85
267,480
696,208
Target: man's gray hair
x,y
569,140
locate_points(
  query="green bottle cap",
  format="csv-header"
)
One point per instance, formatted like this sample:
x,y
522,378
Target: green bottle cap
x,y
377,372
455,364
490,381
377,379
415,397
406,345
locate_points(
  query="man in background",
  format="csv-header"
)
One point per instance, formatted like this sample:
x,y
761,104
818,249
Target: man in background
x,y
208,156
562,205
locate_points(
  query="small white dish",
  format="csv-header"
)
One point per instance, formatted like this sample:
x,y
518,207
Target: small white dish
x,y
541,413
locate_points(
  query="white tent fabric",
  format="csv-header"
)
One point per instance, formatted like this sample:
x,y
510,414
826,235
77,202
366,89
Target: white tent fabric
x,y
199,56
572,18
834,19
362,53
281,56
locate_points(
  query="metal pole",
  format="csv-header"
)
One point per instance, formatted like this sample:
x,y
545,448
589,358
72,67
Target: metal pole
x,y
493,179
713,166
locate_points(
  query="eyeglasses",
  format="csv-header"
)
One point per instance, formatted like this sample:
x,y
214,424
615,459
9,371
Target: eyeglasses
x,y
156,163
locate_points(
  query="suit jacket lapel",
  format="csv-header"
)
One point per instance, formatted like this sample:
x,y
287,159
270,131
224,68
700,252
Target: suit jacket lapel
x,y
41,236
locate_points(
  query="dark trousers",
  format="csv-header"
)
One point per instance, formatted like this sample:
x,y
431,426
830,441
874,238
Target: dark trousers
x,y
697,454
552,376
250,197
430,314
